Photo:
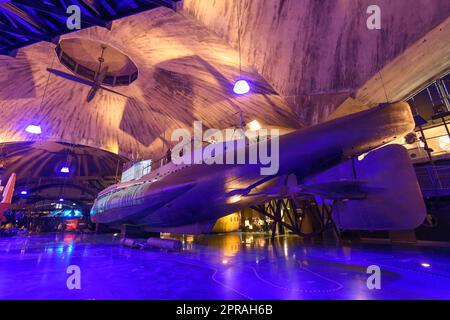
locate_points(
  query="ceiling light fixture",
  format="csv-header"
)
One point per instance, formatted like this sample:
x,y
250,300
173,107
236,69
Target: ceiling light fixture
x,y
33,129
65,169
241,86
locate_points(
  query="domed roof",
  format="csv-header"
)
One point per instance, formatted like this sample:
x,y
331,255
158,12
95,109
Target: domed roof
x,y
186,73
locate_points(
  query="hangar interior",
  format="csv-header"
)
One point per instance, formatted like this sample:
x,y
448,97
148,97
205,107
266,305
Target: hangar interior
x,y
83,109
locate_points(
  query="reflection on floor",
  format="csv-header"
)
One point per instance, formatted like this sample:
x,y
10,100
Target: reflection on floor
x,y
229,266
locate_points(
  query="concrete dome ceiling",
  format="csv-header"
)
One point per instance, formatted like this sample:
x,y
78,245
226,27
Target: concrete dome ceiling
x,y
319,56
34,160
38,165
185,74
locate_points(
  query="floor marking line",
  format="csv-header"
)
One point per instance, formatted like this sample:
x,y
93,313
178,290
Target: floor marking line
x,y
217,281
299,290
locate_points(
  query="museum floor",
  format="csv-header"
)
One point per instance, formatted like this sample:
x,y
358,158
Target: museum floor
x,y
229,266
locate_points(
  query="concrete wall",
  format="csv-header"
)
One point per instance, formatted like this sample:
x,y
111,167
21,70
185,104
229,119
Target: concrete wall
x,y
317,53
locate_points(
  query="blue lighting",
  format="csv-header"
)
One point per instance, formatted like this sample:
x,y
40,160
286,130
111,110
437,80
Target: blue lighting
x,y
56,213
67,214
33,129
24,192
241,87
65,169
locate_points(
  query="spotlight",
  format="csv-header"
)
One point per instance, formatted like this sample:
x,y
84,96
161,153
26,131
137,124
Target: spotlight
x,y
234,199
241,87
33,129
24,192
254,125
425,265
61,199
362,156
65,170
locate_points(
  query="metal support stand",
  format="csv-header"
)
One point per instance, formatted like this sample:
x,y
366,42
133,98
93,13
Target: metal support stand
x,y
291,214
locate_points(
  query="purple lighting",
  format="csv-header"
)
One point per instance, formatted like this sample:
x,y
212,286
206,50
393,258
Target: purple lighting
x,y
33,129
241,87
61,199
24,192
65,170
404,281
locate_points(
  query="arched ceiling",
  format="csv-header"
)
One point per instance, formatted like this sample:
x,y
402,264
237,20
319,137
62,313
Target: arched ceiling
x,y
38,169
185,73
317,54
314,56
34,160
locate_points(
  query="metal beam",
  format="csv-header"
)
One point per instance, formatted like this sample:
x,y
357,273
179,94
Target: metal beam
x,y
90,191
21,33
11,53
29,21
23,15
6,42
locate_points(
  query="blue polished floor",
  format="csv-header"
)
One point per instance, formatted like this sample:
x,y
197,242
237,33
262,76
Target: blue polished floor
x,y
231,266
